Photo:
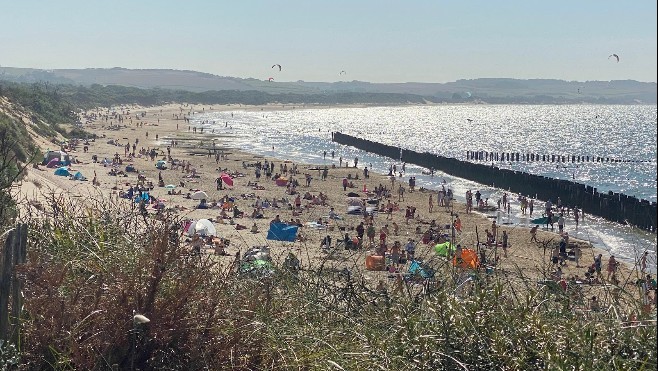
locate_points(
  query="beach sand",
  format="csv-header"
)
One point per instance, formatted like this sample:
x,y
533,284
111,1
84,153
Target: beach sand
x,y
160,127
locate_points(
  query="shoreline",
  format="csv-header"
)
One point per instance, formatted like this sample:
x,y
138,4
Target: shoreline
x,y
159,125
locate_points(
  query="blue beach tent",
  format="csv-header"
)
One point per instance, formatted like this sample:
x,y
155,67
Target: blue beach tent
x,y
282,232
62,171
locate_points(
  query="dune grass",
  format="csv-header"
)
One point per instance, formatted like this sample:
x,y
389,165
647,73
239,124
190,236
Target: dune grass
x,y
94,264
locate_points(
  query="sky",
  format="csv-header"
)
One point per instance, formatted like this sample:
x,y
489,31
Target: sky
x,y
314,40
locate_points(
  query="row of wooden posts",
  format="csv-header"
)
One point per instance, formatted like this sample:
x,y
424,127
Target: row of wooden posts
x,y
611,206
535,157
13,254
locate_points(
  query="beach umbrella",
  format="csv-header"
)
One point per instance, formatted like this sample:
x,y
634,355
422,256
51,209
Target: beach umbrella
x,y
204,227
199,195
170,186
226,179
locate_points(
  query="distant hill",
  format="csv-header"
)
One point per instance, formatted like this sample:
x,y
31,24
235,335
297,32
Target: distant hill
x,y
485,90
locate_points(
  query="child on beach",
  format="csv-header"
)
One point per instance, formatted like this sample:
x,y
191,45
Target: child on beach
x,y
533,233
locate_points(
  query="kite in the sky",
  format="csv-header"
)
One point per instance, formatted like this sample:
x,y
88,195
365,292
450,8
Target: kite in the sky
x,y
342,72
276,66
469,120
270,79
614,55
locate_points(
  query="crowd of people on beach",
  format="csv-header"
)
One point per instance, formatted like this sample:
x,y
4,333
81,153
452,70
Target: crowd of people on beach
x,y
374,229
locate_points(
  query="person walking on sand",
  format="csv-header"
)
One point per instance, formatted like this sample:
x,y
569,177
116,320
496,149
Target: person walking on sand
x,y
612,266
643,262
431,203
577,253
400,193
370,232
504,243
533,233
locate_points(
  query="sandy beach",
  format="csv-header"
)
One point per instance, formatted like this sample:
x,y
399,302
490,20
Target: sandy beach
x,y
164,130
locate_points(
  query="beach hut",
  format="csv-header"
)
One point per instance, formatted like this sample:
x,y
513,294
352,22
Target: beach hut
x,y
62,171
199,195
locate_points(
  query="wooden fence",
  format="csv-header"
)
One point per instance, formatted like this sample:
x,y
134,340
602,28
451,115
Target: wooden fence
x,y
11,285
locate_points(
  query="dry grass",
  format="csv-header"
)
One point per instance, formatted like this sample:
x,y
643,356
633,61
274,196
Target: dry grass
x,y
93,264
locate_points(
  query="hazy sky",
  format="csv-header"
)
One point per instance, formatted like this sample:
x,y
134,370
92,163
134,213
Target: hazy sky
x,y
376,41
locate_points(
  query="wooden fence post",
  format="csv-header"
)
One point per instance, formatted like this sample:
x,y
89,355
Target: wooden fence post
x,y
14,253
5,283
19,257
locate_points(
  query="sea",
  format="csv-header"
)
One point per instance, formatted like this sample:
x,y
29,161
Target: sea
x,y
624,132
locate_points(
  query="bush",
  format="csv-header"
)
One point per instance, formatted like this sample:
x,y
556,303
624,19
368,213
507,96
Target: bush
x,y
89,272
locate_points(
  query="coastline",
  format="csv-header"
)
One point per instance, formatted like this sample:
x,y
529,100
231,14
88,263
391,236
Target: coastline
x,y
159,127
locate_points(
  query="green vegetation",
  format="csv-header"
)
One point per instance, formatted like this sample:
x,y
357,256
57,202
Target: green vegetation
x,y
89,273
16,149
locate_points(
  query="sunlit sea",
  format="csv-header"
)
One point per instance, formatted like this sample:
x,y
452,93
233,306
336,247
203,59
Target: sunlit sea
x,y
610,131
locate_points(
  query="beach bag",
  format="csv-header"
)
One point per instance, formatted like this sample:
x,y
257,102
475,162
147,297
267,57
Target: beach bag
x,y
375,263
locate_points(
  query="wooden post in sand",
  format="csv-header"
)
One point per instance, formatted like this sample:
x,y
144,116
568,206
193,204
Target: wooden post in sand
x,y
13,254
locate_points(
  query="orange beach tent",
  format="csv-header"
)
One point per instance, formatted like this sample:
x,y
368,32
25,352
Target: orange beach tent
x,y
469,260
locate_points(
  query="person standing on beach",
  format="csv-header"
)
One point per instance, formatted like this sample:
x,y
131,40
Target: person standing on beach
x,y
612,267
598,264
560,223
360,230
370,232
356,161
577,253
576,215
643,262
340,161
400,193
431,203
504,243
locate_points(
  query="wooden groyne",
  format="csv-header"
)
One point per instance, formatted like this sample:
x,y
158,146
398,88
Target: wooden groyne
x,y
611,206
536,157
